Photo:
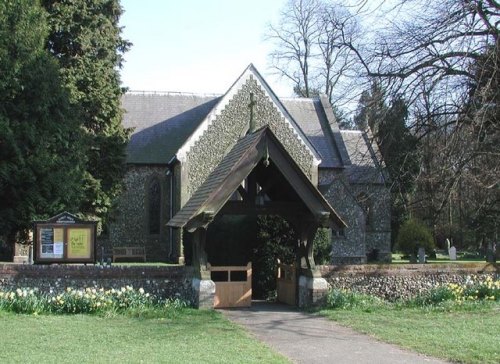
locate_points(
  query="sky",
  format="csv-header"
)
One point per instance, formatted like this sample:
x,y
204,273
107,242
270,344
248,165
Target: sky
x,y
199,46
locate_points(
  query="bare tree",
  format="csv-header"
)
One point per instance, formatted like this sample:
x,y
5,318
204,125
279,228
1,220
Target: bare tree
x,y
443,57
310,50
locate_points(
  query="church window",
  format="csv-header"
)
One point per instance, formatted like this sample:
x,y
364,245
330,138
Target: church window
x,y
366,204
154,206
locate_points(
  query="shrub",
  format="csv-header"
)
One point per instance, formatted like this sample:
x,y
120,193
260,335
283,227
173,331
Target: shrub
x,y
342,299
413,235
486,289
322,246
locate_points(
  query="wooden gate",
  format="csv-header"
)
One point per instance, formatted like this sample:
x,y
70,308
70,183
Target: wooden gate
x,y
286,284
233,285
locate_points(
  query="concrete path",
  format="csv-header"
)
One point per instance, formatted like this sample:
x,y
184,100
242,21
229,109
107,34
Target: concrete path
x,y
306,338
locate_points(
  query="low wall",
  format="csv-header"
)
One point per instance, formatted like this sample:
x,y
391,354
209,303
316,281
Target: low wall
x,y
394,281
162,281
391,282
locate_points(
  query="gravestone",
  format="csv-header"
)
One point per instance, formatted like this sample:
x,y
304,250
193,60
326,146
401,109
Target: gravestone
x,y
421,255
453,253
490,253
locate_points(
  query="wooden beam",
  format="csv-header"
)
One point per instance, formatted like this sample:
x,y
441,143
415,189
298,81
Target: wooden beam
x,y
269,208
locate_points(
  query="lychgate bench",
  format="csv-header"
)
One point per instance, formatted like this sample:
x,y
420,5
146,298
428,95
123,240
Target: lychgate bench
x,y
129,252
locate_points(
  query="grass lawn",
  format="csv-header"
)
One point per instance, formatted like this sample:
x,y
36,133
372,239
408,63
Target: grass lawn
x,y
191,336
460,335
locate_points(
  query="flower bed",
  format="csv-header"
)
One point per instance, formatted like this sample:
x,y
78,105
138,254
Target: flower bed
x,y
84,300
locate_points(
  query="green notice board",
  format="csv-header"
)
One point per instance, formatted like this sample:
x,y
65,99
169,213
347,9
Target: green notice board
x,y
65,238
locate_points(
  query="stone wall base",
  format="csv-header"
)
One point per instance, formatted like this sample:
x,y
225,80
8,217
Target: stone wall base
x,y
337,260
203,293
312,291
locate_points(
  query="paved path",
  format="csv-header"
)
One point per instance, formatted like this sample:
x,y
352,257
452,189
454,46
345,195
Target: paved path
x,y
307,338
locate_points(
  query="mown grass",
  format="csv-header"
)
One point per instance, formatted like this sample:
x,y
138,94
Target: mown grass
x,y
188,336
465,333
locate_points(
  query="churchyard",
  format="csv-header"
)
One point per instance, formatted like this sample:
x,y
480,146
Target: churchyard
x,y
457,322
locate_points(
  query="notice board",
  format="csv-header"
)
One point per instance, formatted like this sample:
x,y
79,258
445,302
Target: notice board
x,y
64,238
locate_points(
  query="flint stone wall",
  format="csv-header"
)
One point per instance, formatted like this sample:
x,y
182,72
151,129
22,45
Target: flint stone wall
x,y
393,282
163,282
129,226
232,123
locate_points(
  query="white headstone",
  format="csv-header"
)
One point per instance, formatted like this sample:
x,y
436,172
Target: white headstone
x,y
421,255
453,253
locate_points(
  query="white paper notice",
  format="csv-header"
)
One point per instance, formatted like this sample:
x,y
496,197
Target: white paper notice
x,y
58,248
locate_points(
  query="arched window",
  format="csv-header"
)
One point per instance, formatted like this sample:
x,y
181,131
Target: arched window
x,y
154,205
366,204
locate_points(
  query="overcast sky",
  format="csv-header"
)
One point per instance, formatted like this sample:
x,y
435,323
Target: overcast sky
x,y
197,46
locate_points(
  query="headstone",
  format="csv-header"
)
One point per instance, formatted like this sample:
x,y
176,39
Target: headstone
x,y
21,253
490,253
421,255
453,253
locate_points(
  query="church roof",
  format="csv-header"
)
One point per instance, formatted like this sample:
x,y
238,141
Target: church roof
x,y
161,123
364,155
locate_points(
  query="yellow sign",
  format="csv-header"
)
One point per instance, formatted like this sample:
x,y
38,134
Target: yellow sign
x,y
58,235
79,243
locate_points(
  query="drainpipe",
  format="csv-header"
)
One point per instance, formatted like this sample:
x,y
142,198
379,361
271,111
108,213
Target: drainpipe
x,y
170,174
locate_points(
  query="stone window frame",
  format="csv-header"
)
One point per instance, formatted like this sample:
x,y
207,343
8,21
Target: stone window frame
x,y
366,204
338,234
154,178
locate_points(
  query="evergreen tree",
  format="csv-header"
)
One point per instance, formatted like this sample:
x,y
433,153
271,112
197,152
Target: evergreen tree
x,y
399,149
85,39
40,149
371,108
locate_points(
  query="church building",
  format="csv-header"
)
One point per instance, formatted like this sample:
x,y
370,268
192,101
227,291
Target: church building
x,y
193,157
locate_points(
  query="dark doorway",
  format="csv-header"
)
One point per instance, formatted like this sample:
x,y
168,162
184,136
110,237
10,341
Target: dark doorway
x,y
236,240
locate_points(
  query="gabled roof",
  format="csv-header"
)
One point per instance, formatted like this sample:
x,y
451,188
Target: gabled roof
x,y
366,165
311,116
235,167
161,123
166,123
250,72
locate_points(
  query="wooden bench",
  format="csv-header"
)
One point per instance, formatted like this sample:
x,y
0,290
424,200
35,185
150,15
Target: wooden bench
x,y
129,252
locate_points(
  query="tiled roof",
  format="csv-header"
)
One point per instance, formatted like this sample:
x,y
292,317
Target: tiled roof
x,y
215,180
161,123
364,156
310,116
236,166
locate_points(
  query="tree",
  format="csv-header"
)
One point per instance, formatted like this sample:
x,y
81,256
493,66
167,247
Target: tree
x,y
413,235
40,148
85,39
397,145
310,49
443,58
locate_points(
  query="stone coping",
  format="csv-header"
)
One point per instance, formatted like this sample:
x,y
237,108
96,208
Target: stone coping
x,y
407,269
93,271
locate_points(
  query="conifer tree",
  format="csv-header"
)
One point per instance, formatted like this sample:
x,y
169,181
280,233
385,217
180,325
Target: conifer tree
x,y
85,39
40,151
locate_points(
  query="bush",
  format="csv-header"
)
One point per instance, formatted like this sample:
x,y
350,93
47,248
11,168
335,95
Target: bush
x,y
341,299
322,246
486,289
413,235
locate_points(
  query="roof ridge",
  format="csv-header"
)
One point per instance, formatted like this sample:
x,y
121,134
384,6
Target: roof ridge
x,y
298,98
168,93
